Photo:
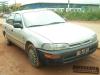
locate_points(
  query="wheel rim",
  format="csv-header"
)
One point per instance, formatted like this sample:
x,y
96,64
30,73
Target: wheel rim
x,y
33,57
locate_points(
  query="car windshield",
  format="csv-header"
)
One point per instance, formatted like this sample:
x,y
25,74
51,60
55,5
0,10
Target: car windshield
x,y
41,18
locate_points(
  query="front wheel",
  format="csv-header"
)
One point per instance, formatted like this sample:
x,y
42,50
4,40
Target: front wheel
x,y
33,56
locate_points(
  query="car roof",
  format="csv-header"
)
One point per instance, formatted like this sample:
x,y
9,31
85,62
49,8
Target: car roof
x,y
30,10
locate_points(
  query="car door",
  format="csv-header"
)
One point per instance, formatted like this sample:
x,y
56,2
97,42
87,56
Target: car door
x,y
18,35
8,26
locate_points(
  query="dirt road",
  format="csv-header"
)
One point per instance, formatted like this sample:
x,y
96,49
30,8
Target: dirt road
x,y
14,61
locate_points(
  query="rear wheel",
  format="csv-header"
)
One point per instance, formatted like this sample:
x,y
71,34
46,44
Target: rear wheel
x,y
8,42
33,55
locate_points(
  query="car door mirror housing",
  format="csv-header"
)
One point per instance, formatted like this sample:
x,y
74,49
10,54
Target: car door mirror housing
x,y
18,25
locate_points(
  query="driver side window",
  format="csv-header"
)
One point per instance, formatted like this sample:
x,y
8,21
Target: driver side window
x,y
18,21
17,18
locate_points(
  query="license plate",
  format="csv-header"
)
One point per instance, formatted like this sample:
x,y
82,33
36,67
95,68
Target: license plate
x,y
82,51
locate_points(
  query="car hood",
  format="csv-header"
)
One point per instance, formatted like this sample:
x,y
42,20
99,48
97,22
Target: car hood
x,y
63,33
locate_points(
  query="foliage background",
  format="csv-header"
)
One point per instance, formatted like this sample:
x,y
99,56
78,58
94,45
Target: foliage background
x,y
89,13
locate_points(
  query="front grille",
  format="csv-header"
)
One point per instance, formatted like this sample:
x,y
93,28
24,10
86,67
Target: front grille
x,y
81,43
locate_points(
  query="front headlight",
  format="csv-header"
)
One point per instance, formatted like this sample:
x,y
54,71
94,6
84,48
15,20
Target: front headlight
x,y
55,46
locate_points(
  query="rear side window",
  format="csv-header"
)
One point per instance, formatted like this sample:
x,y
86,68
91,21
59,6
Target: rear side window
x,y
10,19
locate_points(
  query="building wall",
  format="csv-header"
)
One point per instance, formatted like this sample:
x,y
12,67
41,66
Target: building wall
x,y
56,5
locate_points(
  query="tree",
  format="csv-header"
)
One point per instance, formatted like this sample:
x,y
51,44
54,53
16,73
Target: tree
x,y
15,7
4,7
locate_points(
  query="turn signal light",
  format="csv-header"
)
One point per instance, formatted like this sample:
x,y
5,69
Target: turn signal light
x,y
52,56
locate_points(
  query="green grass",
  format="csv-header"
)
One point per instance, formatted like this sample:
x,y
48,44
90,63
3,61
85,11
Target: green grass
x,y
90,14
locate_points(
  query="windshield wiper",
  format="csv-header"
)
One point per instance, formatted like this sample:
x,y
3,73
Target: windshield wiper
x,y
55,23
35,25
46,24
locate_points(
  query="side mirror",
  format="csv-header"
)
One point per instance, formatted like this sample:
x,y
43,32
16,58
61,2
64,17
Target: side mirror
x,y
18,25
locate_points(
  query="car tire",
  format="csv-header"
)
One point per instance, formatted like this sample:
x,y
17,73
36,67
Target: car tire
x,y
8,42
33,56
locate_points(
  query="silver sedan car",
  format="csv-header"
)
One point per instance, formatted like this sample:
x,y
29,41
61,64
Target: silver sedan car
x,y
47,38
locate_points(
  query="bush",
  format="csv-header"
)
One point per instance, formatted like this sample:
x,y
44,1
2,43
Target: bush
x,y
88,14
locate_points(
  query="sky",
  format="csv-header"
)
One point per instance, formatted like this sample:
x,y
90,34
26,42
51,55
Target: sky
x,y
60,1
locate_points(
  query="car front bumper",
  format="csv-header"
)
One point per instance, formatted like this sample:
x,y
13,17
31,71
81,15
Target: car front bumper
x,y
68,56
